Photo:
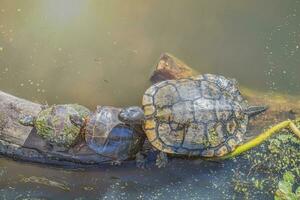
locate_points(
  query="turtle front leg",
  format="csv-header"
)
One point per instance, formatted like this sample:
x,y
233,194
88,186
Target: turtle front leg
x,y
140,160
161,160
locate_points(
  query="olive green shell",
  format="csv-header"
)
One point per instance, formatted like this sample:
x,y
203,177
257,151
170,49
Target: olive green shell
x,y
54,125
198,116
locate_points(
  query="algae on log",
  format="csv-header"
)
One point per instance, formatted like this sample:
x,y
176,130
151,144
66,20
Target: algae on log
x,y
22,143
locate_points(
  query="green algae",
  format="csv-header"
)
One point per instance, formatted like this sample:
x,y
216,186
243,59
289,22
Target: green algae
x,y
56,127
82,111
268,163
213,137
286,187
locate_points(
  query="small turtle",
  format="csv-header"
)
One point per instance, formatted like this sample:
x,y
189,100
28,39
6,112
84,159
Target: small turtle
x,y
113,132
54,125
198,116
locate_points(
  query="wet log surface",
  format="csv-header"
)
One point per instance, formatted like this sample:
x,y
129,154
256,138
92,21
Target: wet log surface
x,y
22,143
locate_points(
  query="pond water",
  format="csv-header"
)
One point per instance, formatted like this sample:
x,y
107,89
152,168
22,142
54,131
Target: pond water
x,y
103,52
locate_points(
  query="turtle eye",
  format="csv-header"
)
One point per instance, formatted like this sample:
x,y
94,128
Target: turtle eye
x,y
123,115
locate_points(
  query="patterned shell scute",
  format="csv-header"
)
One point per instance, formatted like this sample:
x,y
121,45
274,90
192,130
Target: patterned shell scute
x,y
100,124
200,115
108,136
54,125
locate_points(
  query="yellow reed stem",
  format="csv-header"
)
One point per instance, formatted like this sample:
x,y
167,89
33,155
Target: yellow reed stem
x,y
262,137
294,128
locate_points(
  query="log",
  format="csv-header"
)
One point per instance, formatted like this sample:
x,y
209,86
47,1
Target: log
x,y
22,143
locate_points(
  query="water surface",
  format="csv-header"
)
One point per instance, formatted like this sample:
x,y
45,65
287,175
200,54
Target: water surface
x,y
102,53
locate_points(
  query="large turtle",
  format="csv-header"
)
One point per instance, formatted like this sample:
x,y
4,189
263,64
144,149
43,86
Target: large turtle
x,y
203,116
114,132
54,125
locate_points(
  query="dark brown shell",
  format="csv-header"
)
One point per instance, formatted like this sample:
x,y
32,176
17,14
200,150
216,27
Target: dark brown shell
x,y
108,136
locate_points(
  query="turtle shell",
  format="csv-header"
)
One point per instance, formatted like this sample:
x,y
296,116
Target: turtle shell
x,y
107,135
198,116
54,125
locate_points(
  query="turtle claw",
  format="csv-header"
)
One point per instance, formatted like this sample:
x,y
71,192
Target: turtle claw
x,y
116,163
140,161
161,160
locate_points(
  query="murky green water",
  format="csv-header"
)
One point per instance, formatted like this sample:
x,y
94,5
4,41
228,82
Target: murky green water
x,y
102,53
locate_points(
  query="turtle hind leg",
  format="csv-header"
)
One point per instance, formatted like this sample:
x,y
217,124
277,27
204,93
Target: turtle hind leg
x,y
161,160
116,162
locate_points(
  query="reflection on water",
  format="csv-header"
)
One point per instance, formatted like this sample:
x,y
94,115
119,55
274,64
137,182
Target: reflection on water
x,y
99,52
196,181
102,52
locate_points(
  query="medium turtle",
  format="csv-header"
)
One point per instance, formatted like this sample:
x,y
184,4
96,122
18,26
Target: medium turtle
x,y
114,132
202,116
54,125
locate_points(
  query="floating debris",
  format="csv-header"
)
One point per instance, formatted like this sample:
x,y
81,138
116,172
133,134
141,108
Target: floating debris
x,y
45,181
88,188
268,163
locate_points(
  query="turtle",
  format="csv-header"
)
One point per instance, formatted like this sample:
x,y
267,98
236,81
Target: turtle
x,y
114,132
54,125
203,115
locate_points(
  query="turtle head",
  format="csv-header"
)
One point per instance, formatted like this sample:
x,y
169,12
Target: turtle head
x,y
77,120
27,120
132,115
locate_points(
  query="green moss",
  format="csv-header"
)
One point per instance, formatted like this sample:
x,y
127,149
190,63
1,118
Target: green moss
x,y
82,111
57,128
213,137
263,167
285,188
